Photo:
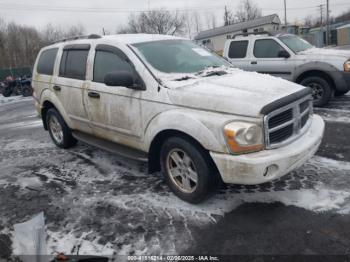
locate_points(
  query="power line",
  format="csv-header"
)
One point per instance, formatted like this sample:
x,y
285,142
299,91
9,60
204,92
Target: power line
x,y
24,7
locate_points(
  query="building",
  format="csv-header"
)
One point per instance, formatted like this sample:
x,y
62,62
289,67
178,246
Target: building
x,y
215,38
343,34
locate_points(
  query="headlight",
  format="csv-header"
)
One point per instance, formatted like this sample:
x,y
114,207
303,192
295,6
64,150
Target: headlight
x,y
244,137
347,66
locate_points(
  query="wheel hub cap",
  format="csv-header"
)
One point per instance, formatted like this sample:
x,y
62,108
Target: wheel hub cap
x,y
317,91
56,129
182,171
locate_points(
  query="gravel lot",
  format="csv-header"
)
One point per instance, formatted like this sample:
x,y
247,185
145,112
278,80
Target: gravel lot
x,y
99,203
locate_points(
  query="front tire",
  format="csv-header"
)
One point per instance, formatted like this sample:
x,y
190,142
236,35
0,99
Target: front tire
x,y
322,91
188,170
59,132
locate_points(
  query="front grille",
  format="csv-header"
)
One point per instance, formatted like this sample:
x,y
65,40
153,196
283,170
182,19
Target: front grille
x,y
281,134
287,123
281,118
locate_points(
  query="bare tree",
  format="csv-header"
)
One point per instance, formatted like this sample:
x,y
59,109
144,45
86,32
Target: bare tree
x,y
52,33
155,22
308,21
229,18
197,22
3,42
19,44
248,10
210,19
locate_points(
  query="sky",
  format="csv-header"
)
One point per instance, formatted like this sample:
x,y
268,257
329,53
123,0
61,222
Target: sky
x,y
112,14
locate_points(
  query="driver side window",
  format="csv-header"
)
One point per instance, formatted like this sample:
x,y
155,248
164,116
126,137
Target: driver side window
x,y
107,61
267,48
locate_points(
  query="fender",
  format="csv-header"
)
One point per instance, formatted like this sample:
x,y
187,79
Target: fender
x,y
313,66
48,95
187,122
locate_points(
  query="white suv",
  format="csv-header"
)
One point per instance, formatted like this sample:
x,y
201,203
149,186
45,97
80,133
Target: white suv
x,y
326,71
186,111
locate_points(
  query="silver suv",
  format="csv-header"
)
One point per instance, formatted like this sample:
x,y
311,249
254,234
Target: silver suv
x,y
165,100
326,71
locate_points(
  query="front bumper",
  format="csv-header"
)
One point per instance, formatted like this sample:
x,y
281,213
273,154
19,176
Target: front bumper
x,y
267,165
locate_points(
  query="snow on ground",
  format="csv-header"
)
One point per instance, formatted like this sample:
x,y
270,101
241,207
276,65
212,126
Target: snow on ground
x,y
96,202
12,99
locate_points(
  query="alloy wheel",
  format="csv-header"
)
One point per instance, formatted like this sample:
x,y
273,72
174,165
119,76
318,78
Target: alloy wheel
x,y
182,170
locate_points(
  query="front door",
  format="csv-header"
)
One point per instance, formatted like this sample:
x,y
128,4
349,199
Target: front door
x,y
266,60
114,111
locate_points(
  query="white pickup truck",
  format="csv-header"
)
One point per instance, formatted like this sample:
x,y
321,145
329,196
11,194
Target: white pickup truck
x,y
326,71
186,111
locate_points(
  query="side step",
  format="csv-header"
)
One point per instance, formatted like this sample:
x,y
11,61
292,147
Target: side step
x,y
112,147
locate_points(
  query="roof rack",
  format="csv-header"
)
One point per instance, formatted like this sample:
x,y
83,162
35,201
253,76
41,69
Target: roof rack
x,y
92,36
252,33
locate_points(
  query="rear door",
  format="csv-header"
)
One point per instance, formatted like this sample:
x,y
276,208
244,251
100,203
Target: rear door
x,y
237,54
266,59
70,84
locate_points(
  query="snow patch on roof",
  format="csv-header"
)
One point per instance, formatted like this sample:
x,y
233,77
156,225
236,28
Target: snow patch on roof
x,y
139,38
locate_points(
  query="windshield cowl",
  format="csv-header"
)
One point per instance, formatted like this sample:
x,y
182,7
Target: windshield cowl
x,y
210,71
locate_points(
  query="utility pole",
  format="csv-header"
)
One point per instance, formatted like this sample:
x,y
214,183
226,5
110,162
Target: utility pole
x,y
327,30
285,13
321,13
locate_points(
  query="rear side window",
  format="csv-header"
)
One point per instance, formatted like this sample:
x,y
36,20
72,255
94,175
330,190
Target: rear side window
x,y
267,48
46,61
73,64
107,62
238,49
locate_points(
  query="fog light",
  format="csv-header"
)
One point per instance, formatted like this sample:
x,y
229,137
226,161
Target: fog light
x,y
270,170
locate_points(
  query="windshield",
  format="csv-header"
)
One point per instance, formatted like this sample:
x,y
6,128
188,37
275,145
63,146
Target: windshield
x,y
178,56
296,44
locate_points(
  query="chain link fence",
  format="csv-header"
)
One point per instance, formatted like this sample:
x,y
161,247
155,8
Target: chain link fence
x,y
15,72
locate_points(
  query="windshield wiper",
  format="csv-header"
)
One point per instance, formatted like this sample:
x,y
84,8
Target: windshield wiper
x,y
215,73
184,78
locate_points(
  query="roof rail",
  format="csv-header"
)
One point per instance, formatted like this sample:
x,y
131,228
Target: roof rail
x,y
92,36
252,33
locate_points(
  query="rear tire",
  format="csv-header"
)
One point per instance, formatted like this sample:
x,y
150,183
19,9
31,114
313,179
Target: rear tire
x,y
59,132
188,170
322,91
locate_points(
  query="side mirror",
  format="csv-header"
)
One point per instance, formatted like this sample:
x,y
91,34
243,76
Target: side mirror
x,y
283,54
122,78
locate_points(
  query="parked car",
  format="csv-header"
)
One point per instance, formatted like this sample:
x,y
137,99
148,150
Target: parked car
x,y
288,56
186,111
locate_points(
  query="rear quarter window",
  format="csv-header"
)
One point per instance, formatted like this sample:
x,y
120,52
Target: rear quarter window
x,y
238,49
46,61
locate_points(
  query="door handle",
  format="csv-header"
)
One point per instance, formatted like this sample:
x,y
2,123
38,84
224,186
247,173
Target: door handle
x,y
94,95
254,62
57,88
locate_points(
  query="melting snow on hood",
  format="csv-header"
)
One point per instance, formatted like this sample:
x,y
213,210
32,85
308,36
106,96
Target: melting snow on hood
x,y
329,53
237,92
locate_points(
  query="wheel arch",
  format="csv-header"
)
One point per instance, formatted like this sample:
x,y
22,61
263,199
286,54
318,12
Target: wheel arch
x,y
316,72
180,124
51,101
159,139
